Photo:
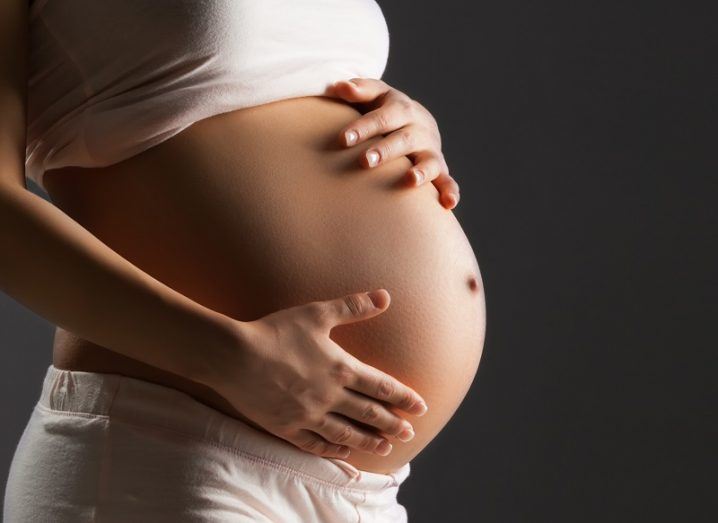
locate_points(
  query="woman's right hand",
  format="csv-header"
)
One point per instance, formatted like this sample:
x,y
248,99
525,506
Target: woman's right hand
x,y
294,381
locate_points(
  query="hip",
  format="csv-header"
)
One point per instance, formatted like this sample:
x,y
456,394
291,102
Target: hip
x,y
113,448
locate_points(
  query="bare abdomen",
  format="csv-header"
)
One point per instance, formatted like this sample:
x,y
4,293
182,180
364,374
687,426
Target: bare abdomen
x,y
258,210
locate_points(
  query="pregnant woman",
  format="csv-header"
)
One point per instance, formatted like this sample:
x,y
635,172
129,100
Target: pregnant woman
x,y
254,293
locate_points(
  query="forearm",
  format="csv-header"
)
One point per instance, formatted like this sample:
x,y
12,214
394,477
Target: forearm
x,y
62,272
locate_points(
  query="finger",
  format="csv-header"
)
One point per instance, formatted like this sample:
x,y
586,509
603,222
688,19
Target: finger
x,y
448,190
350,308
427,168
314,444
378,385
358,407
385,119
402,142
337,429
359,89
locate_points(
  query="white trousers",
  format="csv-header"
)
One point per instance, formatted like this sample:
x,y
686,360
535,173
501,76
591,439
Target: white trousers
x,y
109,448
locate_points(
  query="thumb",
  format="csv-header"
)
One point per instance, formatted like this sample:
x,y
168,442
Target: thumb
x,y
356,307
352,91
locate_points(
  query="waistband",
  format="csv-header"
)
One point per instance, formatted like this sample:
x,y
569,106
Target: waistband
x,y
134,400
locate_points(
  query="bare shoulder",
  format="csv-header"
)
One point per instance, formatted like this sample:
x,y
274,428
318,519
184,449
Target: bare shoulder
x,y
13,90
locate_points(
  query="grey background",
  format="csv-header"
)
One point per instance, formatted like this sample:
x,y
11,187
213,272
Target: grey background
x,y
583,136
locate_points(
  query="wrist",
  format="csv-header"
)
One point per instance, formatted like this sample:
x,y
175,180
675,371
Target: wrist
x,y
221,352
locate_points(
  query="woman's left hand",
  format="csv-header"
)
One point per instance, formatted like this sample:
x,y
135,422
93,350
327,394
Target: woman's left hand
x,y
410,131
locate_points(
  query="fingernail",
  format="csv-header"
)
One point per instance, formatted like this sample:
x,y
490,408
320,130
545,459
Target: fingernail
x,y
383,448
351,137
375,297
418,176
406,435
372,156
422,408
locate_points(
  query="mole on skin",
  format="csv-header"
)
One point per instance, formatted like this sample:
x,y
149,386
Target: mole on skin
x,y
473,283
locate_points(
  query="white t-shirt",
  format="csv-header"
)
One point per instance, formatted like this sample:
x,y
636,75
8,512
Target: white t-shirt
x,y
109,79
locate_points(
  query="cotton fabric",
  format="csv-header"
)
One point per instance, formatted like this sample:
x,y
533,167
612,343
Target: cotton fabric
x,y
108,80
109,448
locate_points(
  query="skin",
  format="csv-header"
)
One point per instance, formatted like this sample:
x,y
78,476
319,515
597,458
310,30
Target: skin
x,y
60,270
257,222
283,215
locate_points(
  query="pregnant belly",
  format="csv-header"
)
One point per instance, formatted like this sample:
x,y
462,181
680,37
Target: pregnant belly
x,y
260,209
